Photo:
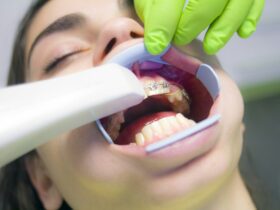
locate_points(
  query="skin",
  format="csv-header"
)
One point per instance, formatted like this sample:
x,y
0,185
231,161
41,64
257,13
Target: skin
x,y
81,168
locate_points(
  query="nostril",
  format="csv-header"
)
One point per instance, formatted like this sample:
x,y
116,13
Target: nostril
x,y
135,35
110,46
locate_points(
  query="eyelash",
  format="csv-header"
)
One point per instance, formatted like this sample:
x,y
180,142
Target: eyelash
x,y
59,60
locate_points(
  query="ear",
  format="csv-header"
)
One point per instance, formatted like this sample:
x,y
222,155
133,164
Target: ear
x,y
44,186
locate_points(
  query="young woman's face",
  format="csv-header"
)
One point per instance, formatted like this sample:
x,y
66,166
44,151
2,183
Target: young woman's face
x,y
80,166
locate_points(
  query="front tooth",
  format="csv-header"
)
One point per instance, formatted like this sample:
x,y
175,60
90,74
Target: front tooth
x,y
184,121
192,123
165,125
157,130
148,133
181,119
164,86
140,139
174,123
153,87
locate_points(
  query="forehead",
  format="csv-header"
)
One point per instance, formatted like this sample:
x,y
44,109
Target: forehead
x,y
97,11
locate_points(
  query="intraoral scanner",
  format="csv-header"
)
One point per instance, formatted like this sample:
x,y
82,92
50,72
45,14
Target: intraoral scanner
x,y
31,114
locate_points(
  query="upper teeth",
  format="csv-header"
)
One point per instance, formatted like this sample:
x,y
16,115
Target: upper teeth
x,y
176,96
156,87
180,101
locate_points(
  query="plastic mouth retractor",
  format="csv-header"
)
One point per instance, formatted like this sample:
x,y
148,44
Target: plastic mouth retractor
x,y
205,74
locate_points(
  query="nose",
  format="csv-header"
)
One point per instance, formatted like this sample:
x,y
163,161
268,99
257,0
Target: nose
x,y
114,33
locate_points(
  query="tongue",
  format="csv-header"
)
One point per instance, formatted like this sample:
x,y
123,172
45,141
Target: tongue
x,y
127,135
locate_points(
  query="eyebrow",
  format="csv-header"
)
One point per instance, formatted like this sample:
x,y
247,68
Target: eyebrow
x,y
65,23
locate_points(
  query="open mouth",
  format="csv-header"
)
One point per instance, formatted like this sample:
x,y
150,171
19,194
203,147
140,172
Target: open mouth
x,y
180,94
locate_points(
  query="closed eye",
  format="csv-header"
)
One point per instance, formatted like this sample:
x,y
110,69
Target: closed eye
x,y
59,60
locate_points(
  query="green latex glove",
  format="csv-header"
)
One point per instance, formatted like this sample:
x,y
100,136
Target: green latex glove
x,y
167,20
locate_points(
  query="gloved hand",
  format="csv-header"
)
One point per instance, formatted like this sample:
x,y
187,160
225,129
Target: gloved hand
x,y
167,20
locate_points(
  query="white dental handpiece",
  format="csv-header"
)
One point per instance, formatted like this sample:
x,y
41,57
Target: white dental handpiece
x,y
31,114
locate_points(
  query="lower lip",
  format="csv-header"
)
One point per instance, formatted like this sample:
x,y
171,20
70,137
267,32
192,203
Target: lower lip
x,y
180,152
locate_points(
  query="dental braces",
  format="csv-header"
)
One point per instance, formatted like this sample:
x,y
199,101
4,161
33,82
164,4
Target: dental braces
x,y
157,88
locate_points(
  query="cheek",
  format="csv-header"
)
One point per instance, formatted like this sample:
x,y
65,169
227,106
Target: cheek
x,y
233,112
81,162
223,160
88,153
72,155
229,148
84,154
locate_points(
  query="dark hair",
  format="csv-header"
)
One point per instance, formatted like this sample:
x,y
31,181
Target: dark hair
x,y
17,65
16,190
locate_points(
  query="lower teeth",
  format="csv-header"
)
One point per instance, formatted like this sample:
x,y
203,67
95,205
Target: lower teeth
x,y
162,129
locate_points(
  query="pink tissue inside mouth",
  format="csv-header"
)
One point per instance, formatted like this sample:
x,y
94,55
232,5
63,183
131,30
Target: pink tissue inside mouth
x,y
150,65
181,61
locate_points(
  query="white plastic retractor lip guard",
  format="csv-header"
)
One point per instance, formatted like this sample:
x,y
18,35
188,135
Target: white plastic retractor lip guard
x,y
205,74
